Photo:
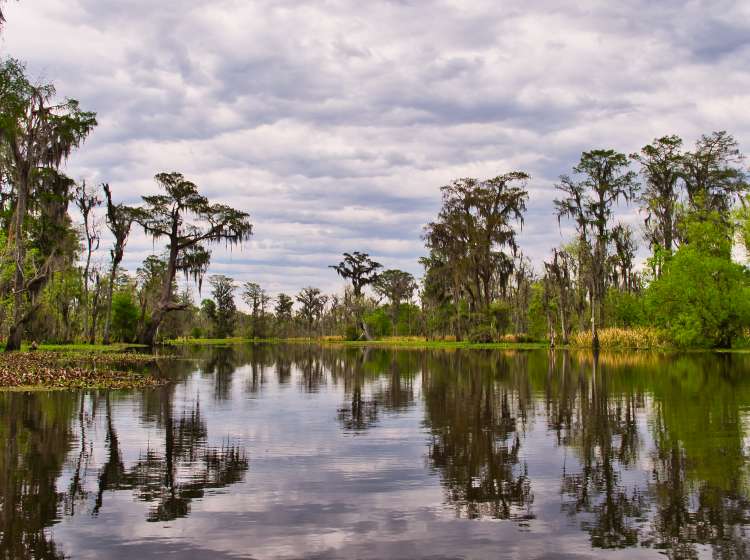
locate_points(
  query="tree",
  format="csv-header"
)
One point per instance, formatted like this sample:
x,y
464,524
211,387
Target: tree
x,y
124,322
223,295
87,200
589,202
36,136
168,216
702,297
713,174
662,164
623,257
359,269
313,303
397,286
476,224
257,299
119,221
283,308
558,273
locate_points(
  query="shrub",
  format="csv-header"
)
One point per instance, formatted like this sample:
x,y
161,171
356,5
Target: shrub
x,y
481,334
124,317
702,297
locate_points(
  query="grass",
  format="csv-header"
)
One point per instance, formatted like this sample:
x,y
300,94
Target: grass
x,y
216,341
611,338
418,342
646,338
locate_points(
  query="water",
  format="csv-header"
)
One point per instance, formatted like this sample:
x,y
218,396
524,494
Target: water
x,y
301,452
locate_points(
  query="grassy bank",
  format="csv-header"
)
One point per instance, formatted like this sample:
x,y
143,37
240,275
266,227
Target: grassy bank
x,y
67,368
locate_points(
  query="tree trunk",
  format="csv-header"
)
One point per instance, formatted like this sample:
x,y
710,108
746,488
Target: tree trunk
x,y
14,338
148,332
85,305
594,332
563,324
15,334
108,316
365,330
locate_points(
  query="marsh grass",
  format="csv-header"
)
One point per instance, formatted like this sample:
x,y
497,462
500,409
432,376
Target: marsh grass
x,y
616,337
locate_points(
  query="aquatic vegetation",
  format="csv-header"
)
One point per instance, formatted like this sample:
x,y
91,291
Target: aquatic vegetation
x,y
77,370
616,337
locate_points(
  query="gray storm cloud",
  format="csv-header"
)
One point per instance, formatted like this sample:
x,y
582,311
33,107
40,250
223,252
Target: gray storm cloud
x,y
334,123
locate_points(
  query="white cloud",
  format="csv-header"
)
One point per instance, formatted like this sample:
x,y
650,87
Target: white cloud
x,y
334,123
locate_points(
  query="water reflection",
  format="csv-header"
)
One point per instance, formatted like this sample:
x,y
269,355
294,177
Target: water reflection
x,y
638,452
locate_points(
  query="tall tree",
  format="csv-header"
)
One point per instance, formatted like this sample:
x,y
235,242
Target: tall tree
x,y
169,216
713,173
223,293
397,286
623,258
119,222
312,306
36,136
558,271
662,164
604,180
257,299
87,200
283,308
475,226
359,269
283,311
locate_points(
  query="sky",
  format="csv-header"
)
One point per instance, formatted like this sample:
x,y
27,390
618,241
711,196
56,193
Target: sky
x,y
335,123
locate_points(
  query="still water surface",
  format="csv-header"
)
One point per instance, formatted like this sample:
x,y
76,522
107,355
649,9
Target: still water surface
x,y
274,451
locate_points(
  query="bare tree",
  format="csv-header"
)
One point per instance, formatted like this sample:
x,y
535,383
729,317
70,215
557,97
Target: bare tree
x,y
87,200
589,202
119,220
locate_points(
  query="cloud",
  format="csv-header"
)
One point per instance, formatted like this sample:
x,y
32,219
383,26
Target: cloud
x,y
334,123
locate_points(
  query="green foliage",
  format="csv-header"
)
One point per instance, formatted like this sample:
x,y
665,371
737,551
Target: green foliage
x,y
378,322
124,317
624,309
702,297
225,309
537,314
481,334
499,314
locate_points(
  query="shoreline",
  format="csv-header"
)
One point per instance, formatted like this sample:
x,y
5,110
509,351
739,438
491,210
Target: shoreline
x,y
443,344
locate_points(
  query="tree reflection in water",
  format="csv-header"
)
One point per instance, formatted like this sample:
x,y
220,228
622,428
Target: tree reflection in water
x,y
476,422
652,449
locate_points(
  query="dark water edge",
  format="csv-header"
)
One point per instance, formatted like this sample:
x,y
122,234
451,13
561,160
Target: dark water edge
x,y
275,451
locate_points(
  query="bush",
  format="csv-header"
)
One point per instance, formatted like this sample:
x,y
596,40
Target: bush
x,y
624,309
379,323
124,317
500,316
481,334
702,297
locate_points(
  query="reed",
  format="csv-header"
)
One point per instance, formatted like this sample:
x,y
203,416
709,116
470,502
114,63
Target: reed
x,y
618,337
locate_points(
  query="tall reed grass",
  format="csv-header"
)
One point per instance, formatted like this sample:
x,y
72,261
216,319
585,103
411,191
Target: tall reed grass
x,y
617,337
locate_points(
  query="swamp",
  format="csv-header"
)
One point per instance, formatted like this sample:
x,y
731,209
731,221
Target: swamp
x,y
308,451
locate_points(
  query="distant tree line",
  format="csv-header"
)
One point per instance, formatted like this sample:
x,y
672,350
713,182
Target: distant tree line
x,y
477,285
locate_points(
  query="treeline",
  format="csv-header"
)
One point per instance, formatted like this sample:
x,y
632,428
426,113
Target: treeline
x,y
477,284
